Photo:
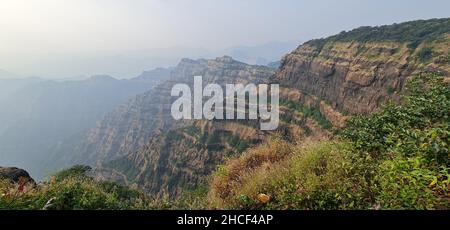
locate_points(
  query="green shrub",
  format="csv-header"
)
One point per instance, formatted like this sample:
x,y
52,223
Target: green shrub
x,y
190,199
407,183
321,177
74,171
390,90
72,189
417,127
308,112
425,54
411,146
413,33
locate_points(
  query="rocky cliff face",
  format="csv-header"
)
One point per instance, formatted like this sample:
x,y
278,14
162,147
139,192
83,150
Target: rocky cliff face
x,y
129,127
357,71
140,141
321,82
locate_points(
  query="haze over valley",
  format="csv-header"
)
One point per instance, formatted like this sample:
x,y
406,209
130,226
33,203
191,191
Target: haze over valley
x,y
86,104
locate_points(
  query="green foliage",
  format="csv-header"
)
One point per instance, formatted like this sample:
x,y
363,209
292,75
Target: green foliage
x,y
396,158
411,145
213,141
414,33
190,199
75,171
425,54
308,112
125,166
321,176
192,130
418,127
390,90
212,138
239,144
72,189
407,183
443,59
174,135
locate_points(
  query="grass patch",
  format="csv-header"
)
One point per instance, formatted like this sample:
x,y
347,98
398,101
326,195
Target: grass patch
x,y
308,112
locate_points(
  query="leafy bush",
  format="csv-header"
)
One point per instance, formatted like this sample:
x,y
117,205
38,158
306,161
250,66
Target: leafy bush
x,y
75,171
411,145
407,183
321,176
191,199
418,127
72,189
425,54
125,166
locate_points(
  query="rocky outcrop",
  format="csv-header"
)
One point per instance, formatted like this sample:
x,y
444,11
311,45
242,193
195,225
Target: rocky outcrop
x,y
355,73
16,175
350,81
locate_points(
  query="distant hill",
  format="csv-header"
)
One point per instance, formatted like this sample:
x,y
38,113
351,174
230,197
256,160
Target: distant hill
x,y
260,54
155,75
45,113
7,75
275,64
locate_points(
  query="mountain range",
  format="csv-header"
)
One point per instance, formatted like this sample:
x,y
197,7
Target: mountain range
x,y
44,113
123,128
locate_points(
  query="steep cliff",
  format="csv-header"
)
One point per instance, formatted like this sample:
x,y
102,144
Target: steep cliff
x,y
140,141
322,83
356,71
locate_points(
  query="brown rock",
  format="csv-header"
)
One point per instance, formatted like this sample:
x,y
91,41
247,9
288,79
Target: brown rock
x,y
263,198
16,175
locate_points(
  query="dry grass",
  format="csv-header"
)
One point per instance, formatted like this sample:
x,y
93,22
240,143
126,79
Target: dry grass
x,y
232,175
312,175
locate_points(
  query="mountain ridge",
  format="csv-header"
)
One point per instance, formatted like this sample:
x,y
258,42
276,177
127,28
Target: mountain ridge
x,y
323,82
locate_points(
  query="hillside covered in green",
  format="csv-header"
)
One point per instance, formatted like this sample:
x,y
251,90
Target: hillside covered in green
x,y
414,33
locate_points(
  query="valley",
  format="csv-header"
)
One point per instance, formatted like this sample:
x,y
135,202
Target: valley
x,y
363,125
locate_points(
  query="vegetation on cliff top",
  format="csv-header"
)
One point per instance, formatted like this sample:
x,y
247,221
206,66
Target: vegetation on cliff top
x,y
413,33
72,189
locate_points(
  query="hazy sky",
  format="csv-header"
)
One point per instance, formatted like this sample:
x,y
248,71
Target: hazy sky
x,y
61,38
